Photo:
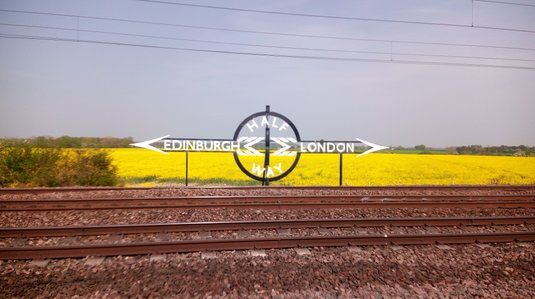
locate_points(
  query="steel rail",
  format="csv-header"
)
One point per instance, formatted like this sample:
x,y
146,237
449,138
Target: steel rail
x,y
34,252
65,231
266,202
72,189
284,205
278,198
405,187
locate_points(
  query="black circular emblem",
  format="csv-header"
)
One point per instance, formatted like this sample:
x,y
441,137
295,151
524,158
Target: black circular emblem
x,y
268,146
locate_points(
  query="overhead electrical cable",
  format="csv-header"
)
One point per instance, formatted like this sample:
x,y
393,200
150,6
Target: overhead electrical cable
x,y
268,32
506,3
256,54
264,45
295,14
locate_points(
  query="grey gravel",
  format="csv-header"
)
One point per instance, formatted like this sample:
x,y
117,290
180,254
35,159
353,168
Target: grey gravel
x,y
466,271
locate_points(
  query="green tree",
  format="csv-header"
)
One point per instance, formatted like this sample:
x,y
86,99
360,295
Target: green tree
x,y
420,147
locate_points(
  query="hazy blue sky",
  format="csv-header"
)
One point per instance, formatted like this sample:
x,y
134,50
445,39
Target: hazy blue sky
x,y
59,88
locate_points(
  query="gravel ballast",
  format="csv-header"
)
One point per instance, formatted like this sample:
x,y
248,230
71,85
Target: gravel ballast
x,y
462,271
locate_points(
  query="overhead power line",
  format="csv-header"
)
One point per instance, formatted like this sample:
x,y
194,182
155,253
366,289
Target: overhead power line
x,y
298,14
256,54
335,17
506,3
267,32
267,46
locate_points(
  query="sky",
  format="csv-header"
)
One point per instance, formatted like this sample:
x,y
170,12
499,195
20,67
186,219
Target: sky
x,y
95,85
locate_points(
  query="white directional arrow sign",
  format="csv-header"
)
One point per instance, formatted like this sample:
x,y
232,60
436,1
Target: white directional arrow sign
x,y
248,146
284,143
258,137
147,144
340,147
374,147
244,146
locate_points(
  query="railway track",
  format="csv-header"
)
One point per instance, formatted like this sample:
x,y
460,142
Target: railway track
x,y
507,188
273,202
68,231
129,246
7,253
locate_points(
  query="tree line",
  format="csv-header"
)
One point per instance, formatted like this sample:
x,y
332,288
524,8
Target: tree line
x,y
70,142
502,150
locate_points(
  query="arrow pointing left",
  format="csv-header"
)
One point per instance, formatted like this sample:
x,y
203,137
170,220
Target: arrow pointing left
x,y
147,144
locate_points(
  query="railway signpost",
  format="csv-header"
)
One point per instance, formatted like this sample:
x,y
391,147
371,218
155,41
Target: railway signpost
x,y
266,146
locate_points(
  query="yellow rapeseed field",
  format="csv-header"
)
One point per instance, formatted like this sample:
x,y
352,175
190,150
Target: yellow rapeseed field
x,y
144,167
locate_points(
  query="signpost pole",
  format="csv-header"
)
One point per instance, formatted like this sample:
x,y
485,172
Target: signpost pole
x,y
187,165
266,150
341,167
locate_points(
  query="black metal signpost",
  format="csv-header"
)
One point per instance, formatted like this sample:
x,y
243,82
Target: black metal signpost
x,y
280,140
265,181
341,167
187,167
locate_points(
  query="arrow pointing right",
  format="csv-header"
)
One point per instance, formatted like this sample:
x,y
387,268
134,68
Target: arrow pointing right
x,y
374,147
283,142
